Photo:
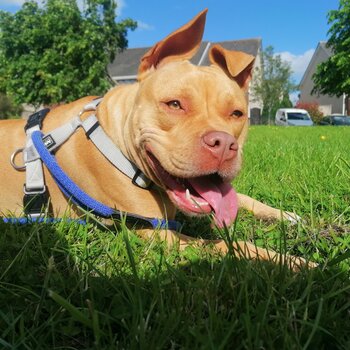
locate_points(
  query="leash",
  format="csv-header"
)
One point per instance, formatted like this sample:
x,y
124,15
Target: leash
x,y
81,198
37,152
45,220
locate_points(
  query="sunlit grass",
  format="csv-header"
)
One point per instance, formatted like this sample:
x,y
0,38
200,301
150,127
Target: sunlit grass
x,y
69,286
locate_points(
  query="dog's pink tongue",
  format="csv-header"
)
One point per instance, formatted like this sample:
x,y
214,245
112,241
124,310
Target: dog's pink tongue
x,y
222,198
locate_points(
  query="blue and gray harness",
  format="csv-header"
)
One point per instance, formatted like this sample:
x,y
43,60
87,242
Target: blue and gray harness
x,y
38,151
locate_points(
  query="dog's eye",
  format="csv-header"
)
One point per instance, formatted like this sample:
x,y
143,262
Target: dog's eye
x,y
174,104
237,113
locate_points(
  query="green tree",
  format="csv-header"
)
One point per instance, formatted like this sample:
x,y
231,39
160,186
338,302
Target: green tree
x,y
8,109
273,84
332,76
56,52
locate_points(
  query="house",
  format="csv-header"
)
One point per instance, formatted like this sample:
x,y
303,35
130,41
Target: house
x,y
327,104
124,68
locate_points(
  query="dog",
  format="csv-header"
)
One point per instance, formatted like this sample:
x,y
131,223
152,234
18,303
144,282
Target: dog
x,y
183,126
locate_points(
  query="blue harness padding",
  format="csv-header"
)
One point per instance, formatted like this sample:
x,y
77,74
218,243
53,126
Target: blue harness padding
x,y
82,199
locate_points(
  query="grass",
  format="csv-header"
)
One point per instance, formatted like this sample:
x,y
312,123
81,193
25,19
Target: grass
x,y
67,286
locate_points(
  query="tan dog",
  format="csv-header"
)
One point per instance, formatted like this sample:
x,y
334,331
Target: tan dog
x,y
182,125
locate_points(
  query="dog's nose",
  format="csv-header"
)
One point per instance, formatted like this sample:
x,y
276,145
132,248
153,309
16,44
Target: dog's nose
x,y
221,144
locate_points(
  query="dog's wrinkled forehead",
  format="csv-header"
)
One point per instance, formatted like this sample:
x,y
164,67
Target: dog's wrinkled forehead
x,y
181,76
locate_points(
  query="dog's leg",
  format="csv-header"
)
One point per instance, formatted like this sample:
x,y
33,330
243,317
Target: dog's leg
x,y
263,211
240,249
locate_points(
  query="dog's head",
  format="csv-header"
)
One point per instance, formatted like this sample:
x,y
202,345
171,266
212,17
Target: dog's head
x,y
190,121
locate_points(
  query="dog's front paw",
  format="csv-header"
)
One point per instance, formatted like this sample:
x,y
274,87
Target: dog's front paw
x,y
297,263
291,217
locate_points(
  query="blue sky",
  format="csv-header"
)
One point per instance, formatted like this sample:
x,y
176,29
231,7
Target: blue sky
x,y
292,27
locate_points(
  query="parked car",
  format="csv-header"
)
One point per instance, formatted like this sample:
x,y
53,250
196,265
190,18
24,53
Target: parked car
x,y
293,116
335,120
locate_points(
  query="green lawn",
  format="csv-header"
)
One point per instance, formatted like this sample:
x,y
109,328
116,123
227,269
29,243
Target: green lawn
x,y
66,286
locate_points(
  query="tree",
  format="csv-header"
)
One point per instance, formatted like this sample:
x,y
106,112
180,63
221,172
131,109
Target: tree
x,y
273,84
7,108
57,52
332,76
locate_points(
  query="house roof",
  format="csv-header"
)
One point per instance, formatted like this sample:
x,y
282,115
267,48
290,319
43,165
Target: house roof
x,y
126,63
322,46
327,49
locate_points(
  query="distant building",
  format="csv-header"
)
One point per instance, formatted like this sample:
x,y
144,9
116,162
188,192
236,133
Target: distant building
x,y
125,66
327,104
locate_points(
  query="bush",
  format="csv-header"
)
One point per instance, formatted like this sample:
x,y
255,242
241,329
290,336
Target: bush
x,y
8,109
313,109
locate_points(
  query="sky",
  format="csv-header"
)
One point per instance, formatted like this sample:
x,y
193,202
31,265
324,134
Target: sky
x,y
292,27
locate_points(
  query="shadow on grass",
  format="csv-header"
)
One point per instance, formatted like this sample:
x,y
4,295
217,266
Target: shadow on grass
x,y
78,287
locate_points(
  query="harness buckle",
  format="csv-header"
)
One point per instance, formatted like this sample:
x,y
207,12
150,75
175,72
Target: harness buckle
x,y
140,175
34,190
92,106
36,119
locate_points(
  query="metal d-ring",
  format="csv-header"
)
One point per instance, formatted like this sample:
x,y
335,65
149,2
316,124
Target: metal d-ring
x,y
13,157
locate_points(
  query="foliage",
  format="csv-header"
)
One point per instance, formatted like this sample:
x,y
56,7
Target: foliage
x,y
313,109
332,76
273,84
69,286
7,108
55,52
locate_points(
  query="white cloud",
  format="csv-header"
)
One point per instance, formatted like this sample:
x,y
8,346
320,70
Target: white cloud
x,y
298,63
144,26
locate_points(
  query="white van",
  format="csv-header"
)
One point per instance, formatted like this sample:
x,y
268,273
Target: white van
x,y
293,116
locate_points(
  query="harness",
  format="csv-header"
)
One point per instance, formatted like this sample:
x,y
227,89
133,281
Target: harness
x,y
39,151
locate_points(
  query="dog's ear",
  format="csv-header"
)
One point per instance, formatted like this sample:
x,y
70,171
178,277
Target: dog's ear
x,y
181,44
236,64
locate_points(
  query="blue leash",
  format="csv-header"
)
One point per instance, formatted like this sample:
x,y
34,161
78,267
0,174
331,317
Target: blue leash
x,y
39,220
82,199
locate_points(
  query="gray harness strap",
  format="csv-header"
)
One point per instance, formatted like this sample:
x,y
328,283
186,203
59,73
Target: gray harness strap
x,y
35,197
35,183
107,147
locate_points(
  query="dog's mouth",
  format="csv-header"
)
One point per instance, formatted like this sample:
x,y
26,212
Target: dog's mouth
x,y
199,195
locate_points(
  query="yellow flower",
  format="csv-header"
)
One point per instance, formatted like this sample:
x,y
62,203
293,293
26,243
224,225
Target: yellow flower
x,y
322,137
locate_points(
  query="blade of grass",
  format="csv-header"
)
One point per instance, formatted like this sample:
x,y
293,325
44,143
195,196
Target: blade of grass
x,y
74,312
